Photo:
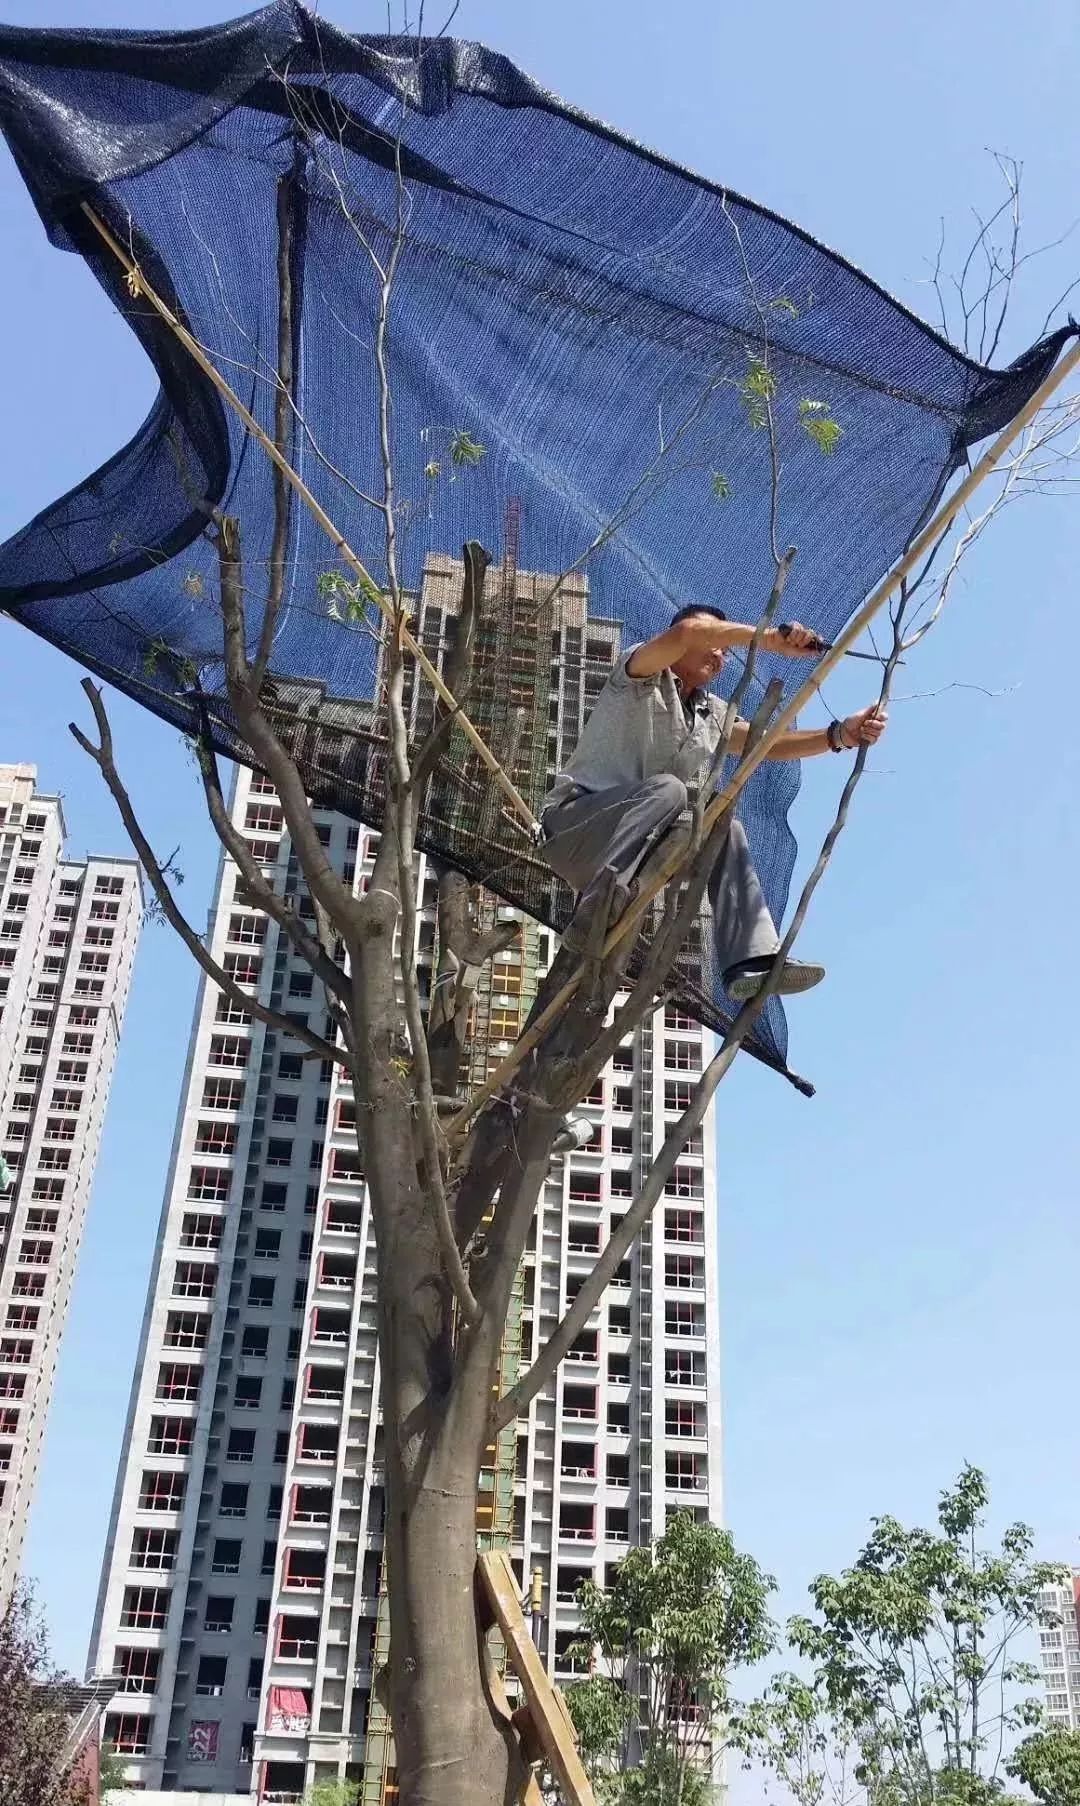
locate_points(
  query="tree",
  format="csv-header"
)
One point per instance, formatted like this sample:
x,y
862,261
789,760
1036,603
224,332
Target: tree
x,y
1049,1763
332,1793
800,1743
670,1630
602,1709
452,1200
453,1181
112,1774
33,1713
913,1651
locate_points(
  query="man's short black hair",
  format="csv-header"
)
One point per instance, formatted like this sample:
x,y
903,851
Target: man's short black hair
x,y
697,608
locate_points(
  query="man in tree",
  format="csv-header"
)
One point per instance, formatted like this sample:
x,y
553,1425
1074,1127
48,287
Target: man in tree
x,y
652,733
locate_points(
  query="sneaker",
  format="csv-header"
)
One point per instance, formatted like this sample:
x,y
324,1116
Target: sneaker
x,y
745,980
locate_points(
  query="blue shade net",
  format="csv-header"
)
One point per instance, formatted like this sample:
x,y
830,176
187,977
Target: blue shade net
x,y
588,313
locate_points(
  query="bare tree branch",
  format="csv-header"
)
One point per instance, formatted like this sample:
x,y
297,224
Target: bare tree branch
x,y
458,668
326,969
282,401
404,801
463,953
268,751
425,1109
102,756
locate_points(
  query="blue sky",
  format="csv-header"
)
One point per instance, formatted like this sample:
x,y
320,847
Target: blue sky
x,y
896,1253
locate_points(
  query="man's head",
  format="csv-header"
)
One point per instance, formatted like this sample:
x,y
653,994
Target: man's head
x,y
702,661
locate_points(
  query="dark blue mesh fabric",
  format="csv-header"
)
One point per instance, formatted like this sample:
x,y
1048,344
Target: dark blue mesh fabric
x,y
584,309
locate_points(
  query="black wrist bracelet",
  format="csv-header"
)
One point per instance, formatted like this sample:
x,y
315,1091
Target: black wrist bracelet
x,y
835,737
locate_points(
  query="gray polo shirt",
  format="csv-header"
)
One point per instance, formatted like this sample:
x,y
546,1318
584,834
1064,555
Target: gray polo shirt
x,y
640,726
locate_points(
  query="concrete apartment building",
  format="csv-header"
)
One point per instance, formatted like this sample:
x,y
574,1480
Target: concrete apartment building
x,y
1059,1651
241,1606
68,934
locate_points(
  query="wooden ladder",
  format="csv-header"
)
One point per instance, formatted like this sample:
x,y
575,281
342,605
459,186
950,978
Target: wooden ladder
x,y
550,1720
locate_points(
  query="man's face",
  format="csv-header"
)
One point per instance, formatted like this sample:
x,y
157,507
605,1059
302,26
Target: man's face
x,y
699,666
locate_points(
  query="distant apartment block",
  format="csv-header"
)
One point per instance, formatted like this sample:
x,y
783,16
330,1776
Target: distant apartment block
x,y
1059,1651
68,934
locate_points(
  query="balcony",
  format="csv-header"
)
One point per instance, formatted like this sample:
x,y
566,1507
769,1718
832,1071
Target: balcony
x,y
581,1250
330,1332
578,1461
584,1352
311,1511
298,1640
305,1571
577,1533
336,1272
318,1451
342,1219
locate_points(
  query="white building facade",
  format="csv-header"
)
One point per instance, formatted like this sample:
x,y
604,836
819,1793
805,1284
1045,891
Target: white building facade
x,y
68,936
1059,1651
240,1597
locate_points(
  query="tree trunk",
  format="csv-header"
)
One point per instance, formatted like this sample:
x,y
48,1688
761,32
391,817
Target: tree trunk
x,y
453,1748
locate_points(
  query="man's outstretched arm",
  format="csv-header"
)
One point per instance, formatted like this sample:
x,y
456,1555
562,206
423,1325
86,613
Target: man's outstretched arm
x,y
862,729
705,633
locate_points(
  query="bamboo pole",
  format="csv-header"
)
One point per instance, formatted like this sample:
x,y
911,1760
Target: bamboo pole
x,y
724,799
139,286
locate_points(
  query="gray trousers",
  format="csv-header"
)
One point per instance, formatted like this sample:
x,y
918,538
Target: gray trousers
x,y
598,829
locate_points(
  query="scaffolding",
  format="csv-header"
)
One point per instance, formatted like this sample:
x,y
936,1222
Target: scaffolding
x,y
495,1502
376,1786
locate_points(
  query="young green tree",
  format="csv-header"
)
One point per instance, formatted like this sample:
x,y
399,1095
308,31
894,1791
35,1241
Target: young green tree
x,y
33,1713
668,1634
790,1733
332,1793
112,1774
915,1656
1049,1763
